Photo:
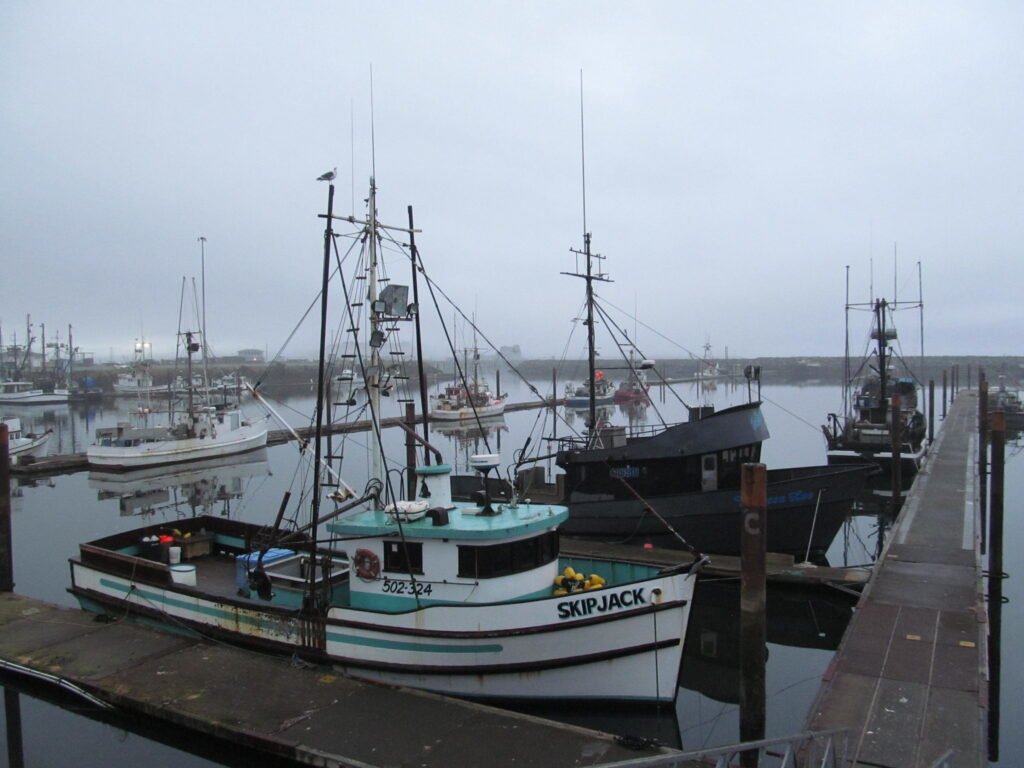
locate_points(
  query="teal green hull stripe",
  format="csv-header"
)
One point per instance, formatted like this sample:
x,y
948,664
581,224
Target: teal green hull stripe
x,y
263,623
396,645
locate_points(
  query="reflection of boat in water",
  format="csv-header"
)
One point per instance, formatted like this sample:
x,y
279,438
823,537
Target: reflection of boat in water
x,y
201,487
796,617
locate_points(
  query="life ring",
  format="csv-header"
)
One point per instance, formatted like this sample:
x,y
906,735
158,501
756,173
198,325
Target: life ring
x,y
367,564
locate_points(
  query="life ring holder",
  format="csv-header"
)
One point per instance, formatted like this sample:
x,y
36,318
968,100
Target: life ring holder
x,y
367,564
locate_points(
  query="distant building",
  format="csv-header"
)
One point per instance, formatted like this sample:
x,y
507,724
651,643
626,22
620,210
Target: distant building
x,y
511,353
251,355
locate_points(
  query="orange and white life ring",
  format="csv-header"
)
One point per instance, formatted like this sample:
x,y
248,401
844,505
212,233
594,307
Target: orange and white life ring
x,y
367,564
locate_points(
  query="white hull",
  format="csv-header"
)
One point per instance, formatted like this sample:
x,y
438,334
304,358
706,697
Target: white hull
x,y
467,414
35,397
24,447
171,451
622,642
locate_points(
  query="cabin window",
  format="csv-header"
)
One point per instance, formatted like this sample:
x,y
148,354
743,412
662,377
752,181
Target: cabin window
x,y
488,562
395,557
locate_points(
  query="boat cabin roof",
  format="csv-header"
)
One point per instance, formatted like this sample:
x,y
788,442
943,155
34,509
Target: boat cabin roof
x,y
465,522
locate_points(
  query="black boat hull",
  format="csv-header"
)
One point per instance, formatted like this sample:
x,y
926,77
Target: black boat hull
x,y
806,508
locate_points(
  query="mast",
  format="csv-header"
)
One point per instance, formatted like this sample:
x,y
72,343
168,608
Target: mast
x,y
419,339
71,359
373,385
846,350
206,347
315,514
883,376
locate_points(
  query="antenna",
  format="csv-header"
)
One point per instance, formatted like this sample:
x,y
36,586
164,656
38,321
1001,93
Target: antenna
x,y
373,135
583,158
352,147
895,268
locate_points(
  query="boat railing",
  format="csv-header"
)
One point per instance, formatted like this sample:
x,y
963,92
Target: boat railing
x,y
612,436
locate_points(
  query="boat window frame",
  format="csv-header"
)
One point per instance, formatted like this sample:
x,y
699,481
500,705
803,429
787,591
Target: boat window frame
x,y
492,561
395,557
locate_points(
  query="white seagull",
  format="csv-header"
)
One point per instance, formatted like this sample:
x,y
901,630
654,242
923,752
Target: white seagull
x,y
329,176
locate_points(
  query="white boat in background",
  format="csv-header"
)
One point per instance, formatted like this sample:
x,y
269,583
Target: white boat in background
x,y
24,445
28,393
465,403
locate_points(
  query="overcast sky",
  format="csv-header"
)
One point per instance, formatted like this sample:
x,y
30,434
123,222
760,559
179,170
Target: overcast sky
x,y
738,157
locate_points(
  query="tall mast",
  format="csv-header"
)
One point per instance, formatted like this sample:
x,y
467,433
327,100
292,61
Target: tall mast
x,y
882,342
373,385
315,514
206,347
419,339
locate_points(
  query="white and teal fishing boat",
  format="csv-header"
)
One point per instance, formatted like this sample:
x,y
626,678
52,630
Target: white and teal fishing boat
x,y
465,597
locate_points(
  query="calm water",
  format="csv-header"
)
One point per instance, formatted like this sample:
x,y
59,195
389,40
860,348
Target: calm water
x,y
51,517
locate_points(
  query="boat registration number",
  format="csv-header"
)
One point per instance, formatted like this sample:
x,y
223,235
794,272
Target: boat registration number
x,y
396,587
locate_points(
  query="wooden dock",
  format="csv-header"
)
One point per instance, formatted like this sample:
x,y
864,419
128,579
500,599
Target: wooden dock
x,y
779,568
312,715
909,680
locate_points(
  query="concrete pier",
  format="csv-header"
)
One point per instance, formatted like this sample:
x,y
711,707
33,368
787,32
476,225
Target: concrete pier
x,y
909,679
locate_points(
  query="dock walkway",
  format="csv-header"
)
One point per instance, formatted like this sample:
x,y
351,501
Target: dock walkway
x,y
909,679
312,715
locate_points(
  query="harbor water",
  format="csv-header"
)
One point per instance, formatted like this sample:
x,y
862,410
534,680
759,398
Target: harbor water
x,y
51,516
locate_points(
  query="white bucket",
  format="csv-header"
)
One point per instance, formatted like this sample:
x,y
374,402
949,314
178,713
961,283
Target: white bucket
x,y
174,555
184,574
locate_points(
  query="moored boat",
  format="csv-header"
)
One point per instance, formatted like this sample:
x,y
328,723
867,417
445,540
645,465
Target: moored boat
x,y
463,597
21,445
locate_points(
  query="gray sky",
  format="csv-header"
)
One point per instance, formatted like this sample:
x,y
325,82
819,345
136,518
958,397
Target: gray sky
x,y
738,156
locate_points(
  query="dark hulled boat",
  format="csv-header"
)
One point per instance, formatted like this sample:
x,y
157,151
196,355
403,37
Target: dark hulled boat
x,y
625,486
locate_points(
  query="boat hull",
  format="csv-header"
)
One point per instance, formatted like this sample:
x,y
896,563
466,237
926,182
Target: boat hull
x,y
164,452
468,414
36,397
806,508
623,642
28,447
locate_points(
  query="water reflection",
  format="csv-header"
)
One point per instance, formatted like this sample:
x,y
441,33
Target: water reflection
x,y
208,487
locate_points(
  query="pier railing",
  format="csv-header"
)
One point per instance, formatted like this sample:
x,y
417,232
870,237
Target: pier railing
x,y
811,749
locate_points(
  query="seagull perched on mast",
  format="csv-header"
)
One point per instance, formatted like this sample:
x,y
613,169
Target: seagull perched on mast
x,y
329,176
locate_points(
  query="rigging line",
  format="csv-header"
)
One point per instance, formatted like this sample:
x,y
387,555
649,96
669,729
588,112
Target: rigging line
x,y
375,421
298,325
795,416
611,324
644,325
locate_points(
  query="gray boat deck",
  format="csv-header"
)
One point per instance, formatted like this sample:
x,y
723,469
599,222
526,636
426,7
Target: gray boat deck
x,y
909,679
312,715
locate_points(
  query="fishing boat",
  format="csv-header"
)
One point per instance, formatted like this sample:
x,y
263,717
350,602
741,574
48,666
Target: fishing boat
x,y
578,396
625,483
199,431
138,381
467,399
1002,398
30,393
882,420
461,597
21,445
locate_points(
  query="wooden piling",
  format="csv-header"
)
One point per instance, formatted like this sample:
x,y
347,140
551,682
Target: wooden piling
x,y
995,585
995,561
943,394
12,718
6,540
896,442
497,382
983,421
753,596
931,411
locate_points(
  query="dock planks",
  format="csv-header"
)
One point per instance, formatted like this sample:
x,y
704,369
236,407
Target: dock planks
x,y
909,679
313,715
